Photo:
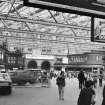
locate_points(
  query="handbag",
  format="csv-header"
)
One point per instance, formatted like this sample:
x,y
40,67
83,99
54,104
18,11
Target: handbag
x,y
93,100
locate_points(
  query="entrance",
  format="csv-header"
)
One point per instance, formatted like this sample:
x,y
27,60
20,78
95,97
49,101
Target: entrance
x,y
45,65
32,64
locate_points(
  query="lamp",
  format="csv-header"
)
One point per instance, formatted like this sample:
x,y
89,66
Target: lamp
x,y
100,3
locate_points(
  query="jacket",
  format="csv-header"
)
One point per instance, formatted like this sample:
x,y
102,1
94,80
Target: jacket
x,y
103,101
85,96
60,81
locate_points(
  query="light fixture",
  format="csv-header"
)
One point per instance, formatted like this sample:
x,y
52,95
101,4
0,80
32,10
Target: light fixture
x,y
100,3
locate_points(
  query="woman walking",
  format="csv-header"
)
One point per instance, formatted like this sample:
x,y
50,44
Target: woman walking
x,y
60,81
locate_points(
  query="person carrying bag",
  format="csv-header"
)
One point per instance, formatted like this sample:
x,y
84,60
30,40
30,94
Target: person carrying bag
x,y
87,95
60,81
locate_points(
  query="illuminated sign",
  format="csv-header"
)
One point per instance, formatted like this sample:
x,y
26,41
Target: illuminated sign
x,y
83,7
98,30
77,59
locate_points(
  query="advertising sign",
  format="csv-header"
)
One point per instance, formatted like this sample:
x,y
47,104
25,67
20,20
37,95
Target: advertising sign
x,y
82,7
98,30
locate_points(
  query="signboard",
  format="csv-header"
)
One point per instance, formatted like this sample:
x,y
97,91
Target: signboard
x,y
83,7
46,51
65,60
98,30
77,59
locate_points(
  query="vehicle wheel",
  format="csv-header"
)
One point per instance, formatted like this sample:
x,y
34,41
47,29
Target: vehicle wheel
x,y
9,90
18,83
31,82
21,83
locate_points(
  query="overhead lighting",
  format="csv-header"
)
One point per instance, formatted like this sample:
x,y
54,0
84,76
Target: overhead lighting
x,y
100,3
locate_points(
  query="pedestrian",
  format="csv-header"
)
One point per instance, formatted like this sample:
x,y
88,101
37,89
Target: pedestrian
x,y
100,78
95,81
103,101
85,77
60,81
49,79
44,79
81,79
87,95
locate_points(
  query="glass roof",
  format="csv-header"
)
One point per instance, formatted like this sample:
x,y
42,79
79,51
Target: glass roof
x,y
35,28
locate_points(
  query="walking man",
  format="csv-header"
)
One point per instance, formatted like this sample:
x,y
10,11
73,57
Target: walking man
x,y
100,78
60,81
81,79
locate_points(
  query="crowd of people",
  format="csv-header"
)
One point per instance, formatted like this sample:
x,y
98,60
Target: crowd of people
x,y
87,85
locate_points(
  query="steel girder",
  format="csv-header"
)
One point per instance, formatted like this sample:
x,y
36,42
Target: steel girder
x,y
43,22
40,33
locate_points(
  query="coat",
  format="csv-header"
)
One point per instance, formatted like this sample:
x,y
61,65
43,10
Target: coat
x,y
103,101
85,96
81,77
60,81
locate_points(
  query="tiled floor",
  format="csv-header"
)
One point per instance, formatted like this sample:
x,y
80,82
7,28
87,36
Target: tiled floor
x,y
37,95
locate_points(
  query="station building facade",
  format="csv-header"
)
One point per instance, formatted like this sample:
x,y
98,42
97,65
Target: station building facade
x,y
11,59
94,60
39,62
87,61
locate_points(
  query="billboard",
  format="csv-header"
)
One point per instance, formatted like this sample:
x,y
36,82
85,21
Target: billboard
x,y
83,7
98,30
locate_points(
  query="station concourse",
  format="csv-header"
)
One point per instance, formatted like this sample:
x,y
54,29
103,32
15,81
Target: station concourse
x,y
40,37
